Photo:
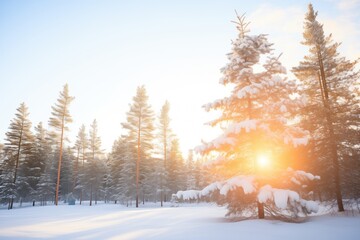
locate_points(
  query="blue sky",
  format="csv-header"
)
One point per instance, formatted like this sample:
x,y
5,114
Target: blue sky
x,y
105,49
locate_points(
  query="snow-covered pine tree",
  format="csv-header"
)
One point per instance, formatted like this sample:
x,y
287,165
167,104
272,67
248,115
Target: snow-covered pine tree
x,y
66,180
7,186
28,174
81,146
176,179
164,137
60,118
140,127
105,188
123,171
94,166
18,147
329,82
41,155
31,171
256,120
116,164
47,182
190,166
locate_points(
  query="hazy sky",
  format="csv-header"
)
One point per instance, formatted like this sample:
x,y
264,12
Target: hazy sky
x,y
105,49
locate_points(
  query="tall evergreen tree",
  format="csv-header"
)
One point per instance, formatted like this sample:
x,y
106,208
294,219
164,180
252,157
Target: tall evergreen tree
x,y
255,120
81,146
34,165
165,135
190,166
123,171
329,83
94,165
106,189
176,179
140,132
47,181
59,120
18,146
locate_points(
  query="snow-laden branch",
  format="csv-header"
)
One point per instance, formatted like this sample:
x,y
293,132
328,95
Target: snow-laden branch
x,y
245,182
296,136
284,198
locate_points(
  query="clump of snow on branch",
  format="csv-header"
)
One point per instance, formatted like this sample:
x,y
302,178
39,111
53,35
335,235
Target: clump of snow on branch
x,y
248,90
300,176
211,188
226,138
296,137
283,198
245,182
236,128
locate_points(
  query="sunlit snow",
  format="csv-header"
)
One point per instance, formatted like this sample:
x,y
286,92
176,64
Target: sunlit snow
x,y
189,222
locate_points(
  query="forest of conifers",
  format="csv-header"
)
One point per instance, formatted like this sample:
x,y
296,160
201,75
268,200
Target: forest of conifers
x,y
308,126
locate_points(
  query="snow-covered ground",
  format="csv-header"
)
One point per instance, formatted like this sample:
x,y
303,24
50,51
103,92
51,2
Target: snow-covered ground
x,y
108,221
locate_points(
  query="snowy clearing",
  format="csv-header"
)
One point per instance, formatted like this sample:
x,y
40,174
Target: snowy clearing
x,y
186,222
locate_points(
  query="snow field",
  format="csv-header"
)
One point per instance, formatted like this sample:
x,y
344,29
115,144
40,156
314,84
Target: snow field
x,y
195,221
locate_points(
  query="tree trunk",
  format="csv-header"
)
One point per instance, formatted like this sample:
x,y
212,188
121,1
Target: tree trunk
x,y
11,200
90,195
261,212
330,127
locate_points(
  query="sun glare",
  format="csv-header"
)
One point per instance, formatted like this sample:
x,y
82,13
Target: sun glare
x,y
263,161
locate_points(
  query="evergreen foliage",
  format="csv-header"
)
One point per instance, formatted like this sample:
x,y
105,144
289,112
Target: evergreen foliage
x,y
140,129
331,113
60,117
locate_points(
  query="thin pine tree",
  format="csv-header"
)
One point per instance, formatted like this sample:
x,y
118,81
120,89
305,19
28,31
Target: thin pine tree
x,y
59,120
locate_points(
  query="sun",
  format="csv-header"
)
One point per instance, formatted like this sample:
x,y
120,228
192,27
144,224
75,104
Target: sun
x,y
263,160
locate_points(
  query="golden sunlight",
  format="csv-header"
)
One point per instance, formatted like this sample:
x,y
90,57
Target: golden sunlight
x,y
263,160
